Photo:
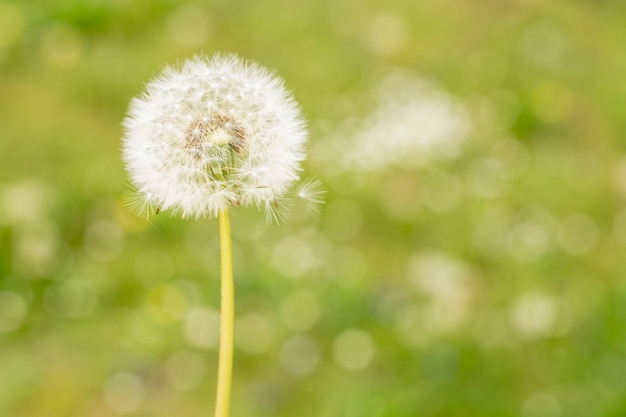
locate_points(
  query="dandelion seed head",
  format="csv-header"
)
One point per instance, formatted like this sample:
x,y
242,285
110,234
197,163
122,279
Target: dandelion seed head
x,y
212,134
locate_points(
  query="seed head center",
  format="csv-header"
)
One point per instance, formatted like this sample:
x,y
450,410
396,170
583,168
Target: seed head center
x,y
219,137
207,134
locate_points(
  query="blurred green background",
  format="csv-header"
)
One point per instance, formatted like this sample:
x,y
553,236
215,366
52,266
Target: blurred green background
x,y
469,260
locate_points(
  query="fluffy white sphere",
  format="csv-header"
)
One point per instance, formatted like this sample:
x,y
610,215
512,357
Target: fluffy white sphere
x,y
213,134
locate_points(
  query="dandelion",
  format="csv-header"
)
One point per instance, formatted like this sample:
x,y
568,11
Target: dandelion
x,y
215,134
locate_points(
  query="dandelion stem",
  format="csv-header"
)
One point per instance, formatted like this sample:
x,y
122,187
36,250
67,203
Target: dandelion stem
x,y
227,321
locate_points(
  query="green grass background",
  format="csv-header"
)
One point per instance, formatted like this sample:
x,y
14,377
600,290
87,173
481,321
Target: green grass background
x,y
509,301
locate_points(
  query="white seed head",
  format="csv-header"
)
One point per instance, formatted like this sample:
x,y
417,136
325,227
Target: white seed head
x,y
213,134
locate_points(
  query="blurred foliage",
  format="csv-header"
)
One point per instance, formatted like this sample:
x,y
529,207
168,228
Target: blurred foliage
x,y
484,278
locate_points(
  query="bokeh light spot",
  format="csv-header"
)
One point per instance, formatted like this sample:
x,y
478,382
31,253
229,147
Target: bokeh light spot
x,y
528,241
293,257
354,349
143,329
529,233
185,370
13,311
62,47
448,284
189,26
299,356
386,34
166,304
104,240
543,42
201,328
552,102
537,314
253,333
485,177
124,392
35,250
25,202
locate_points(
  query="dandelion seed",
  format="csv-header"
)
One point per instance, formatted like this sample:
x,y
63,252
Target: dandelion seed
x,y
312,193
277,211
139,204
216,133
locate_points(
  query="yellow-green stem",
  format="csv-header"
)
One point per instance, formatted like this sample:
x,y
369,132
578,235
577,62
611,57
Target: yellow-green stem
x,y
227,320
